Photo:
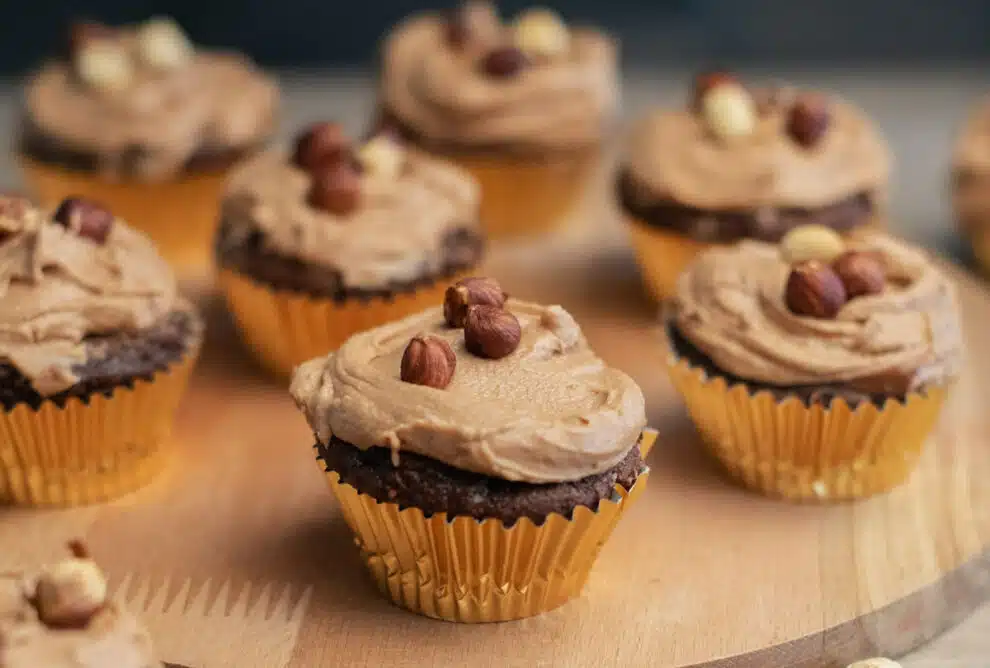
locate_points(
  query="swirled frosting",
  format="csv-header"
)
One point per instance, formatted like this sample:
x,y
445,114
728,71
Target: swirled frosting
x,y
551,411
442,94
730,305
672,155
395,234
57,288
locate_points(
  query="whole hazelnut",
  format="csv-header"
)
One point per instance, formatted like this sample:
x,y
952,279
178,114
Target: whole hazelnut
x,y
467,292
457,27
504,62
71,592
85,217
382,157
319,144
811,242
491,332
541,34
813,289
706,81
729,111
104,64
428,360
861,273
808,120
163,45
336,188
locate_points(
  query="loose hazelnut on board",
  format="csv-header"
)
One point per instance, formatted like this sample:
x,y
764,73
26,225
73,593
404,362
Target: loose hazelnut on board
x,y
104,64
861,273
491,332
428,360
85,217
467,292
504,62
705,82
68,594
729,111
162,44
541,34
808,120
382,157
813,289
876,662
336,188
811,242
319,144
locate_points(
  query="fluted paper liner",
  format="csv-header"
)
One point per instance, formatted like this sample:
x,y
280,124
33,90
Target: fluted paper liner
x,y
465,570
93,451
786,448
285,328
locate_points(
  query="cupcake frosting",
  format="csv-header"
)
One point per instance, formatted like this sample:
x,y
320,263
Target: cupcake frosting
x,y
395,233
673,155
730,304
443,95
550,411
58,287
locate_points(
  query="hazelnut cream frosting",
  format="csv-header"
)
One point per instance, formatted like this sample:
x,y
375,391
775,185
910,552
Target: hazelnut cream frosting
x,y
550,411
395,233
443,94
730,304
673,155
58,287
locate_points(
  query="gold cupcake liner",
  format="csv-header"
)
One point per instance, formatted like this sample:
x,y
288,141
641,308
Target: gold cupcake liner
x,y
787,449
285,329
93,451
465,570
180,215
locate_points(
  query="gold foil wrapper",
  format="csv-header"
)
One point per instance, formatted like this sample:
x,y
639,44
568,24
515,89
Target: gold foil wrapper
x,y
285,328
790,450
90,452
465,570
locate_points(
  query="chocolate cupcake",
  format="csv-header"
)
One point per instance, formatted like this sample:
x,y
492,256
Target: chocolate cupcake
x,y
971,182
815,369
138,118
525,107
63,617
95,350
740,165
332,239
468,443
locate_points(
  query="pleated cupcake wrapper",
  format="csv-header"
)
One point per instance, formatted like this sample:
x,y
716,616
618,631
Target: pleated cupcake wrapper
x,y
466,570
284,328
90,452
785,448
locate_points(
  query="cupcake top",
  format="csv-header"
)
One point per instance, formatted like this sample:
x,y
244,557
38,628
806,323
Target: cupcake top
x,y
468,80
65,277
871,313
141,101
376,215
514,392
736,150
63,618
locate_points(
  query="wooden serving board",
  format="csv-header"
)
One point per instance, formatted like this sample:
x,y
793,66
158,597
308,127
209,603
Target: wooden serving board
x,y
239,556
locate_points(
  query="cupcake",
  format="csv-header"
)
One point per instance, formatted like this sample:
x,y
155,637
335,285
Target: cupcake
x,y
971,182
320,243
95,351
815,369
481,453
525,107
141,120
741,165
63,617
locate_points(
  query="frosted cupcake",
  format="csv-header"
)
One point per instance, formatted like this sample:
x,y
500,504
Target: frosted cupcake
x,y
739,165
141,120
524,107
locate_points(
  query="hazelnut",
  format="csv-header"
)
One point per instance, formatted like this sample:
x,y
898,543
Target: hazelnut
x,y
814,290
382,156
428,360
470,292
71,592
104,64
82,33
861,273
491,332
729,111
336,188
811,242
808,120
541,34
705,82
163,45
319,144
85,217
876,662
504,62
457,27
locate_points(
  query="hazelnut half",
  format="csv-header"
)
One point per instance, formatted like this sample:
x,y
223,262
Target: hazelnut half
x,y
428,360
705,82
808,120
491,332
68,594
875,662
163,45
541,34
104,64
467,292
811,242
85,217
729,111
861,273
813,289
382,157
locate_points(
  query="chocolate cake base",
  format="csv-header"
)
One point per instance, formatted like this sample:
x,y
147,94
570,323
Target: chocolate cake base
x,y
724,226
112,361
434,487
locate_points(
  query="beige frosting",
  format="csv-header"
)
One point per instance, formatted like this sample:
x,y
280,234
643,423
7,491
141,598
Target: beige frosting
x,y
112,639
56,288
551,411
673,155
730,305
443,95
217,101
395,234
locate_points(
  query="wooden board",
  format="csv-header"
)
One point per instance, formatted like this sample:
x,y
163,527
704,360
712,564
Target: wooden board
x,y
240,557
